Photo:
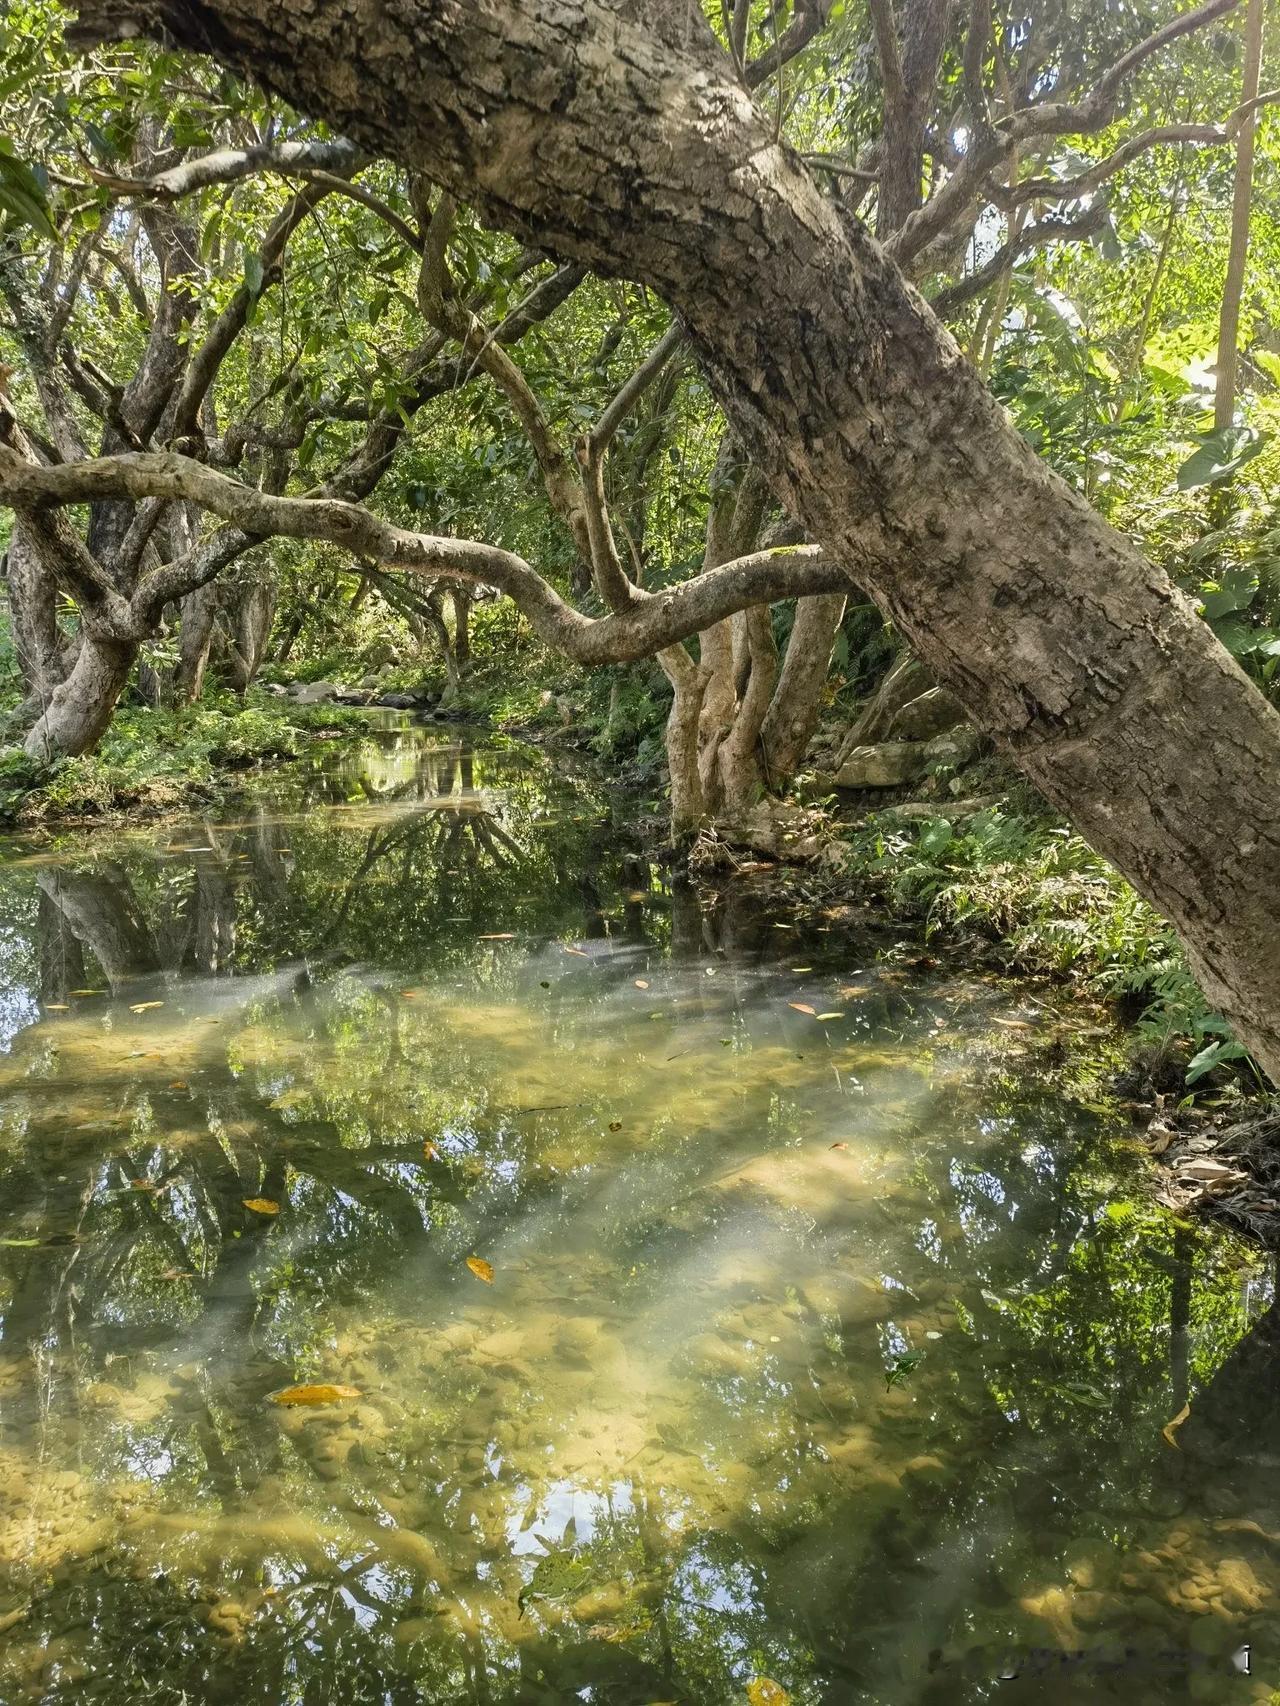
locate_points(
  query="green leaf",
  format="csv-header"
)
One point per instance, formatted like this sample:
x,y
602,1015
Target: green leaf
x,y
1215,1054
935,837
22,194
1220,455
253,275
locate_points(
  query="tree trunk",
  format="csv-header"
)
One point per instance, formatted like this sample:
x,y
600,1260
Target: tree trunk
x,y
461,602
33,613
1224,395
629,144
253,609
77,715
792,718
199,610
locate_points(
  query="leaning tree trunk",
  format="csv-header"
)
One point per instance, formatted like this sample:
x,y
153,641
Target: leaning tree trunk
x,y
618,133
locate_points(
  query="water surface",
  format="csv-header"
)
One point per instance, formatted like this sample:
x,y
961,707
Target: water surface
x,y
738,1303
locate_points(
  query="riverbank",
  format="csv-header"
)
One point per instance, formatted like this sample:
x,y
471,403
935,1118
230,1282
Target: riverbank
x,y
154,764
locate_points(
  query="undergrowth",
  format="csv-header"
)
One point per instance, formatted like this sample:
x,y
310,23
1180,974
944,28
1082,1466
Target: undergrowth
x,y
158,761
1040,892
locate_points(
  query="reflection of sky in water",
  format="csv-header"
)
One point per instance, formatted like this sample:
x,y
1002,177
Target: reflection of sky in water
x,y
786,1317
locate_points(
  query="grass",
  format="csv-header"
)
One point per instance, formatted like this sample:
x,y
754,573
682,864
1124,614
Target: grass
x,y
152,762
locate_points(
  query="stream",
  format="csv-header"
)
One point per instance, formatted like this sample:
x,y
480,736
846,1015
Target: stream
x,y
443,1261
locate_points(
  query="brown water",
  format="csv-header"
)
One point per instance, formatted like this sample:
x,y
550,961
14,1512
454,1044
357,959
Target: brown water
x,y
814,1356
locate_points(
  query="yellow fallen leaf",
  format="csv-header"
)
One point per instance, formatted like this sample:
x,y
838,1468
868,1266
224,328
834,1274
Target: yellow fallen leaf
x,y
145,1006
824,1016
1170,1428
802,1007
763,1692
498,936
179,1084
430,1152
641,984
481,1269
86,992
56,1007
262,1205
581,952
315,1394
839,1146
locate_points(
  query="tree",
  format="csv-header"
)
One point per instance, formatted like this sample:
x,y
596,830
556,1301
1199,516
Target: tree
x,y
652,161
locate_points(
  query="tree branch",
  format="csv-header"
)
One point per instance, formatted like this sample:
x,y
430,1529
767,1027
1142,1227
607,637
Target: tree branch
x,y
1051,230
654,622
228,165
1066,118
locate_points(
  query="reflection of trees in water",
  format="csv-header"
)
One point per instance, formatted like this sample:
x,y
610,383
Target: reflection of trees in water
x,y
1077,1296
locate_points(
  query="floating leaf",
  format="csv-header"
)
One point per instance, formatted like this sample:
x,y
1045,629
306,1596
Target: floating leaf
x,y
641,984
262,1205
20,1243
823,1017
145,1006
581,952
615,1125
56,1007
1170,1428
315,1394
179,1084
762,1691
87,992
499,936
481,1269
839,1146
178,1273
802,1007
430,1152
799,969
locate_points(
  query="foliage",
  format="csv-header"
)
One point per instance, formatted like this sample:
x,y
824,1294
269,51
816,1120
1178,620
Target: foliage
x,y
1053,906
161,761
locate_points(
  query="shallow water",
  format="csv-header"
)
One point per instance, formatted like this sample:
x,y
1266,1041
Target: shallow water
x,y
818,1356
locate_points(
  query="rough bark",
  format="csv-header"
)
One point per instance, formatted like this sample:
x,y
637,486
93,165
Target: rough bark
x,y
33,613
792,718
199,611
635,149
80,708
